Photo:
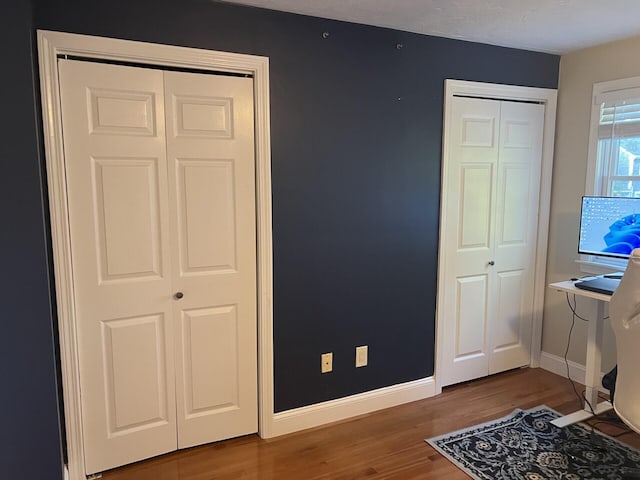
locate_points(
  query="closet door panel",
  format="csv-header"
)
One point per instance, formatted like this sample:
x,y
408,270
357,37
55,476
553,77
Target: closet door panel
x,y
469,230
114,140
518,180
210,147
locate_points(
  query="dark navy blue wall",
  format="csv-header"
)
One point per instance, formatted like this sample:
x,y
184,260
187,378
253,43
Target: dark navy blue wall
x,y
30,444
356,141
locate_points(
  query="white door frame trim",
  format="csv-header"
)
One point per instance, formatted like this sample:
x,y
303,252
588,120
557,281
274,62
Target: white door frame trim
x,y
548,97
51,45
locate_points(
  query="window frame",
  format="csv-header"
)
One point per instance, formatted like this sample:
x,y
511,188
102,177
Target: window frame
x,y
623,88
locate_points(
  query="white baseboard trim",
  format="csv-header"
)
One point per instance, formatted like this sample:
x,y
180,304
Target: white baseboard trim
x,y
555,364
334,410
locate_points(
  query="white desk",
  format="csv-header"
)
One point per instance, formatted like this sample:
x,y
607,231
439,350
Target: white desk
x,y
593,366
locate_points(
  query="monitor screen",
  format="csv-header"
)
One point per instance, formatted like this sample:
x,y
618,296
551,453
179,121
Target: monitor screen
x,y
609,226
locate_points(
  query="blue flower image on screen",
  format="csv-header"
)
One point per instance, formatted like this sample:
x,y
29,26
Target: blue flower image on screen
x,y
609,226
624,235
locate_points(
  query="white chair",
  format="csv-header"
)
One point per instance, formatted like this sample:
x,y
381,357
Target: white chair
x,y
624,314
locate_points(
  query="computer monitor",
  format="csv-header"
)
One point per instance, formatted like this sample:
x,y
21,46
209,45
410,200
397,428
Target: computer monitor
x,y
609,226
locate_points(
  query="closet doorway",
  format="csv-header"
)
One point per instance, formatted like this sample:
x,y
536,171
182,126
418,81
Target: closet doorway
x,y
160,178
497,152
159,186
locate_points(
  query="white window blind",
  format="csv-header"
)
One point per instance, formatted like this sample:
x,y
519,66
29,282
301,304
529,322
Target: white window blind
x,y
619,119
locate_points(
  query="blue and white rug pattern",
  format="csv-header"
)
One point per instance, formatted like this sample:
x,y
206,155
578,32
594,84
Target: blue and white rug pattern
x,y
526,446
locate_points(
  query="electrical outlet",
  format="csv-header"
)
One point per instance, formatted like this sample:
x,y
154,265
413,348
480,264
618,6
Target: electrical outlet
x,y
326,364
362,354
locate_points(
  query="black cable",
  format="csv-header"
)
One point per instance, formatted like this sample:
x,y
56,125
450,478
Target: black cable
x,y
615,422
566,353
573,309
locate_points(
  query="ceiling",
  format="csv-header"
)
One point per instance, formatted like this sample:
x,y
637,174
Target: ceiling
x,y
552,26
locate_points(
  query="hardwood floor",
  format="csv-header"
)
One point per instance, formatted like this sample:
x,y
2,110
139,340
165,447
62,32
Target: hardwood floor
x,y
384,445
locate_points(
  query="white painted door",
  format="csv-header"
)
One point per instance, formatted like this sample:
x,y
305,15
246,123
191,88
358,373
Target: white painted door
x,y
145,225
489,236
516,229
212,211
116,171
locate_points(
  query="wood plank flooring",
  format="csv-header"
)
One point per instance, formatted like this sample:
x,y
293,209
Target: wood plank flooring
x,y
383,445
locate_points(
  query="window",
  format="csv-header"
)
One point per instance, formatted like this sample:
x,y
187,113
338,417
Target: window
x,y
614,148
619,148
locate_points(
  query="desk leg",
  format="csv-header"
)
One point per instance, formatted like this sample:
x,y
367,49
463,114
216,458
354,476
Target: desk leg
x,y
594,364
592,372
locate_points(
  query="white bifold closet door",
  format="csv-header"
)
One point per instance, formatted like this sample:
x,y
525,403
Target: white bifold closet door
x,y
161,187
493,186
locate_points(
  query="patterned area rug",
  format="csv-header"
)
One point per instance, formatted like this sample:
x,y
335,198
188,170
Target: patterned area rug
x,y
526,446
